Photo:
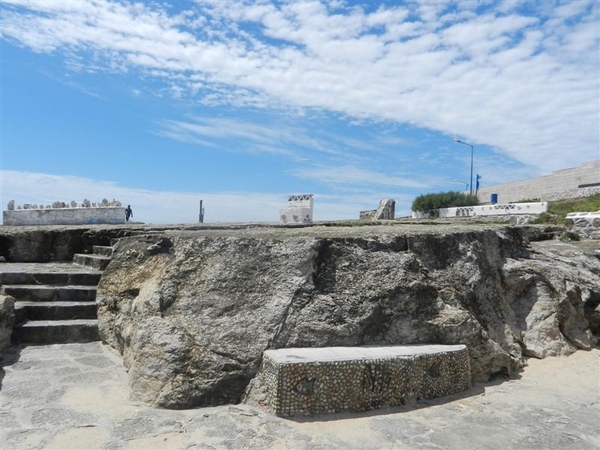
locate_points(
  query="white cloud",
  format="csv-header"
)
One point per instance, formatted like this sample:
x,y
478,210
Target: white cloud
x,y
164,207
356,177
521,79
252,137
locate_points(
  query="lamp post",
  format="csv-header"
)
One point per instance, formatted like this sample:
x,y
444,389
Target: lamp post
x,y
471,184
462,182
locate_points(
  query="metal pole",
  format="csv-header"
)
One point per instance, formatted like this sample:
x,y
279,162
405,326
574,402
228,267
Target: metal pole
x,y
201,213
471,192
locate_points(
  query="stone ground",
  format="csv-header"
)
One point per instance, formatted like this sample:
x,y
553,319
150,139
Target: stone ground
x,y
75,396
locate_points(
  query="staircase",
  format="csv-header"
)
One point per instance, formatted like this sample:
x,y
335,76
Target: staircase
x,y
98,260
55,302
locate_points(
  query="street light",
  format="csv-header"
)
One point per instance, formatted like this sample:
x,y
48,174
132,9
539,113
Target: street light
x,y
471,184
462,182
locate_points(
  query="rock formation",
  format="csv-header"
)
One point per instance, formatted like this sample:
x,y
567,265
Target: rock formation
x,y
192,312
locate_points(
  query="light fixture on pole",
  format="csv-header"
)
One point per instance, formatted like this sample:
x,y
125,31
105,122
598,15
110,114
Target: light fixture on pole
x,y
462,182
471,184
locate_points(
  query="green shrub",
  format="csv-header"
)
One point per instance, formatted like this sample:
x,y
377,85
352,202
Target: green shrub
x,y
430,203
569,236
558,210
547,218
582,204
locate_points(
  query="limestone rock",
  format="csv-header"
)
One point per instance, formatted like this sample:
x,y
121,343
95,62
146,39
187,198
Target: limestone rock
x,y
7,321
192,312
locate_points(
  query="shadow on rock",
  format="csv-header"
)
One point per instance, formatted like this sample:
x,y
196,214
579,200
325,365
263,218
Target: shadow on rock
x,y
11,356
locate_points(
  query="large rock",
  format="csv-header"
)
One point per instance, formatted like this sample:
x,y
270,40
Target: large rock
x,y
192,312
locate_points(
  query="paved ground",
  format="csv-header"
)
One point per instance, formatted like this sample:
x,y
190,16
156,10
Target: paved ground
x,y
75,396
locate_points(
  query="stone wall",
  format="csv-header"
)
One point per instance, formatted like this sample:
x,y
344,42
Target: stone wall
x,y
585,224
355,379
558,185
64,216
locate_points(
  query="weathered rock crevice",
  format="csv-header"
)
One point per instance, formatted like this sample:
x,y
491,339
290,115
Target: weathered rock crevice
x,y
193,315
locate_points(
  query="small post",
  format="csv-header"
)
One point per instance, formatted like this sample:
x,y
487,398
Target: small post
x,y
201,215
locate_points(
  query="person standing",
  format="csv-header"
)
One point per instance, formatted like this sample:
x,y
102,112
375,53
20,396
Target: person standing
x,y
128,213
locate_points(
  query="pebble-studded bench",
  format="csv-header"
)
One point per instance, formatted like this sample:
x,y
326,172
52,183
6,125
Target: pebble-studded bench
x,y
314,381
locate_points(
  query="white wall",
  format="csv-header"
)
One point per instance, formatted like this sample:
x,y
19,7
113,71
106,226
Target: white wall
x,y
65,216
504,209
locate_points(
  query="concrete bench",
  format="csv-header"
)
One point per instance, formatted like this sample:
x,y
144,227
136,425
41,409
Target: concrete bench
x,y
314,381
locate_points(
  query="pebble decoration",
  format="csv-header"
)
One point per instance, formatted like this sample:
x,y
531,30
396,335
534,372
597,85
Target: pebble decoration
x,y
316,388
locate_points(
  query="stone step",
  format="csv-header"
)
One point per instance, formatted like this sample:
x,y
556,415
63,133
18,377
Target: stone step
x,y
50,278
98,262
55,310
45,332
102,250
48,293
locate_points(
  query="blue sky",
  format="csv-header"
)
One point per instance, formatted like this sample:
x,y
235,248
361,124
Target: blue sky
x,y
161,104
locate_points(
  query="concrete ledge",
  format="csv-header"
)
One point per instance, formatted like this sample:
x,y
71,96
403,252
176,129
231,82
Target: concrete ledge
x,y
309,381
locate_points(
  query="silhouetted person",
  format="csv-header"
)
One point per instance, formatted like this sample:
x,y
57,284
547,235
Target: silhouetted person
x,y
128,213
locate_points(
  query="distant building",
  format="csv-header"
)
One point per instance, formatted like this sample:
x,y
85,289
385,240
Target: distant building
x,y
580,181
299,209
